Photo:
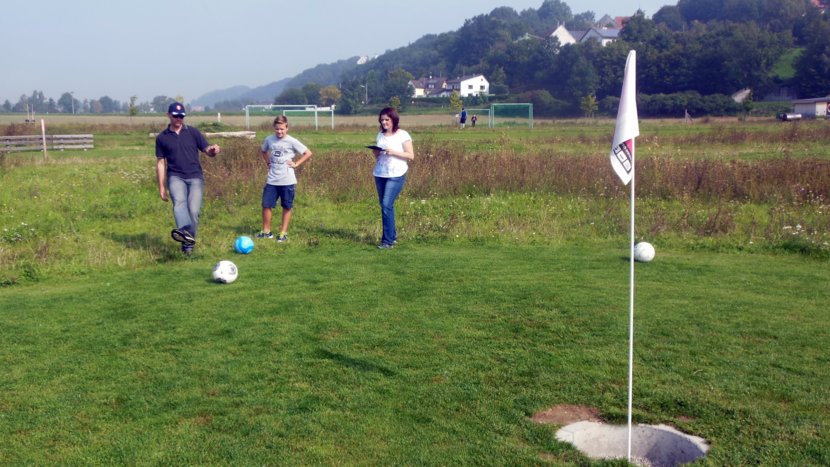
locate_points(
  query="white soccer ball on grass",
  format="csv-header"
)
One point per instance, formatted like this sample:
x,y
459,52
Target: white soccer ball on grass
x,y
643,252
225,272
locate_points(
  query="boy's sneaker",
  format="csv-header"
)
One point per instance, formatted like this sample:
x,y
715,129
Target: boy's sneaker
x,y
265,235
282,238
385,246
183,236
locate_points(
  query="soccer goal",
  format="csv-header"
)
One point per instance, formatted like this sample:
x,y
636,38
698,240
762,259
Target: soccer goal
x,y
307,114
305,117
477,112
511,114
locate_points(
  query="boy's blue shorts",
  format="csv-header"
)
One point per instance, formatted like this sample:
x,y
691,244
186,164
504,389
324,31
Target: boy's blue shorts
x,y
284,192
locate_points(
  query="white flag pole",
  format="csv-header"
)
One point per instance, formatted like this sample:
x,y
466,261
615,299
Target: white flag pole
x,y
622,161
631,303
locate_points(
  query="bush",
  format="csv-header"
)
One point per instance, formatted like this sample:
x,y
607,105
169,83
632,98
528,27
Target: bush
x,y
214,127
545,105
608,105
676,104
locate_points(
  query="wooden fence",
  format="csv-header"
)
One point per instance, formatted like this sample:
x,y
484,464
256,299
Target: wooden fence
x,y
53,142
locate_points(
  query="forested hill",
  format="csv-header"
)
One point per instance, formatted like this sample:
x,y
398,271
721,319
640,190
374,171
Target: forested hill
x,y
237,97
696,48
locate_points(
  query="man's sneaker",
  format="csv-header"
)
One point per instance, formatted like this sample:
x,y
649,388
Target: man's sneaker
x,y
183,236
282,238
385,246
265,235
187,250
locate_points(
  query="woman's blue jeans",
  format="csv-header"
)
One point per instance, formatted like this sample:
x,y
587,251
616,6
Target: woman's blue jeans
x,y
186,195
388,191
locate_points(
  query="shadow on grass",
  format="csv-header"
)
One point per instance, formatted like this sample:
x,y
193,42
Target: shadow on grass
x,y
164,251
312,234
249,229
357,364
342,234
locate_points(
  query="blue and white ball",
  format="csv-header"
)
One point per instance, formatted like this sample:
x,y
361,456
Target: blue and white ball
x,y
225,272
243,245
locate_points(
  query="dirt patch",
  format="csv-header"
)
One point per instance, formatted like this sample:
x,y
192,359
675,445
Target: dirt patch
x,y
565,414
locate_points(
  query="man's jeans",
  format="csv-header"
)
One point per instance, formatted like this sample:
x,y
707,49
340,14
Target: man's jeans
x,y
388,191
186,195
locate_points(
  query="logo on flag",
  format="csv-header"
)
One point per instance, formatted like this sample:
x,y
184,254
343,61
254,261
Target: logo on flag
x,y
623,154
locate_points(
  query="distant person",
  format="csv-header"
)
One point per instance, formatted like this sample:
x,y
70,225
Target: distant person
x,y
180,174
390,170
278,152
473,120
463,119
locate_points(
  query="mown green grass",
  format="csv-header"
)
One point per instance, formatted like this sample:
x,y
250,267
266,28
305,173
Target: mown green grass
x,y
79,211
431,354
508,294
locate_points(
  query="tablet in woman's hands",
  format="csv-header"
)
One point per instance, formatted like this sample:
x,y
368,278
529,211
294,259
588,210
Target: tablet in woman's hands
x,y
375,147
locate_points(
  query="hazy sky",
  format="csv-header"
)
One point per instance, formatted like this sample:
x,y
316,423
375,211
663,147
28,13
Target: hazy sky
x,y
147,48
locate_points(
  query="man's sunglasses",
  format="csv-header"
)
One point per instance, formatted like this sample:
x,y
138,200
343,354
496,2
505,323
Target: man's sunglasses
x,y
177,116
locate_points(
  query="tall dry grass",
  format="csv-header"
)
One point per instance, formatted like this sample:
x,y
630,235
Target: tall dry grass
x,y
732,135
449,170
781,203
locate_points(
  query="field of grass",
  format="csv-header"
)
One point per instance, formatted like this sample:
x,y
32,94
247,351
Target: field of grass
x,y
508,294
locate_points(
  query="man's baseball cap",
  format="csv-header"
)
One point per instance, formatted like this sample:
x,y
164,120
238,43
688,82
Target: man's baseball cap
x,y
176,109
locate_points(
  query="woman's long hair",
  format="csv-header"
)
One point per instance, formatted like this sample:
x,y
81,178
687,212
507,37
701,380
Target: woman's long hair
x,y
391,113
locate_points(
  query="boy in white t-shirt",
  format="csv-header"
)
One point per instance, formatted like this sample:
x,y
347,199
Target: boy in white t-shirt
x,y
278,152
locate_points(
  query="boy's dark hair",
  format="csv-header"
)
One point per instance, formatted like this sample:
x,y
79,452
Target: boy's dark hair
x,y
391,113
281,119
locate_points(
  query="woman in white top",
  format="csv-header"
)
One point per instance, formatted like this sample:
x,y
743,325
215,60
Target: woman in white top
x,y
390,170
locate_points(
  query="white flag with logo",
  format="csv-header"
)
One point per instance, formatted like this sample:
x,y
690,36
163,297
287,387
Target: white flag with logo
x,y
628,128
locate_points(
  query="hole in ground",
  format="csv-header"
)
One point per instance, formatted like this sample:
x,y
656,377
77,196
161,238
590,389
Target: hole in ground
x,y
651,445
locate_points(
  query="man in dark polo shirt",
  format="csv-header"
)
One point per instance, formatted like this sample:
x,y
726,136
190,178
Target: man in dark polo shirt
x,y
180,173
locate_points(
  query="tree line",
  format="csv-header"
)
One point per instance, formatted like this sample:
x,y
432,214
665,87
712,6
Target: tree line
x,y
38,103
692,56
